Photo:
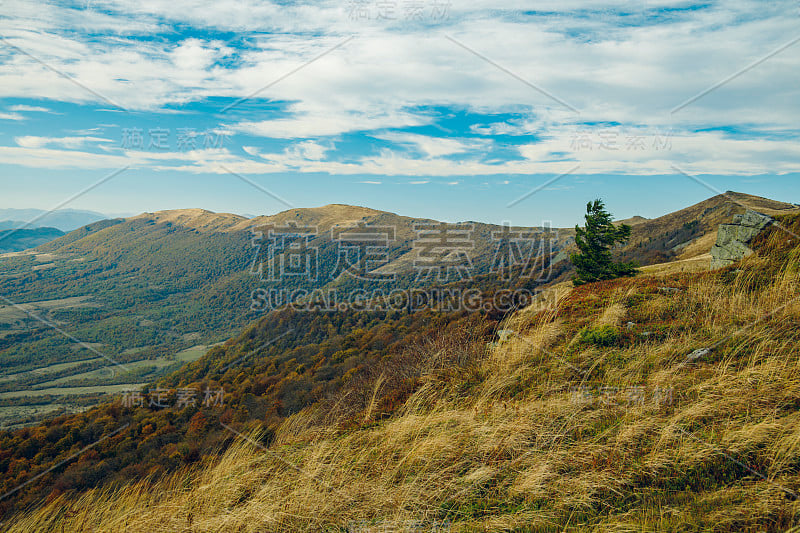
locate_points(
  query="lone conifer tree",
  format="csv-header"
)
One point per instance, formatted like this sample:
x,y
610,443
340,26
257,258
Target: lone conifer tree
x,y
594,261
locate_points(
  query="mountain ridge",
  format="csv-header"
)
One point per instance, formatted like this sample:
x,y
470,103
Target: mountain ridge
x,y
344,214
63,219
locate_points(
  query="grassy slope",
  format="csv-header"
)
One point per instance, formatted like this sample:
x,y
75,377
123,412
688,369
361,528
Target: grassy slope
x,y
500,442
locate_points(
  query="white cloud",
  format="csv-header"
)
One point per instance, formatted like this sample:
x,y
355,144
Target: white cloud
x,y
323,121
394,72
300,154
30,141
309,150
22,108
694,153
59,159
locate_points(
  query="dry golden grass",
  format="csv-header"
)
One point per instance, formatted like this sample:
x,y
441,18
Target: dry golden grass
x,y
545,433
694,263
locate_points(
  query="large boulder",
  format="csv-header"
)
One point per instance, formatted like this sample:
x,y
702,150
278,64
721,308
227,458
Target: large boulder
x,y
733,239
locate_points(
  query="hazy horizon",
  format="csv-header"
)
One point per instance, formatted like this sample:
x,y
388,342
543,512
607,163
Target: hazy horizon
x,y
621,210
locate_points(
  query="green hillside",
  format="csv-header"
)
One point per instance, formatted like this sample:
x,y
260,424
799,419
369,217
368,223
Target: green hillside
x,y
139,291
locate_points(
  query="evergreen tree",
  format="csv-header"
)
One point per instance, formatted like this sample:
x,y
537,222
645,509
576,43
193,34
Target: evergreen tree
x,y
594,261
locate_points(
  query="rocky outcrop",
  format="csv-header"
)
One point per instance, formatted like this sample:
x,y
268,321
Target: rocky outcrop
x,y
733,239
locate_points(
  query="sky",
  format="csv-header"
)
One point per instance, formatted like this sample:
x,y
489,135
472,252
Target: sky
x,y
516,112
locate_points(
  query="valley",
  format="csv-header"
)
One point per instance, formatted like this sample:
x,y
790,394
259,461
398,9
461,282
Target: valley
x,y
127,312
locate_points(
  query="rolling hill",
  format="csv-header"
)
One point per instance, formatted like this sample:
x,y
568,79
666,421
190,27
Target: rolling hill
x,y
136,298
662,402
139,297
692,231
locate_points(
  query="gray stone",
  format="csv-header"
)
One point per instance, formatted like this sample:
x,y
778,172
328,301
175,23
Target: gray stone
x,y
756,220
733,239
504,334
697,354
670,289
731,251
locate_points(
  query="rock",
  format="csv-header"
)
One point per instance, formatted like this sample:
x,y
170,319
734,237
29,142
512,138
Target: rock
x,y
733,239
670,290
756,220
697,354
504,334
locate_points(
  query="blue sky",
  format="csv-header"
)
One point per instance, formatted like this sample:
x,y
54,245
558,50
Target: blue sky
x,y
426,108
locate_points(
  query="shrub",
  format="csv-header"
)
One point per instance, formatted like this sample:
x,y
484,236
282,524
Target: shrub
x,y
600,336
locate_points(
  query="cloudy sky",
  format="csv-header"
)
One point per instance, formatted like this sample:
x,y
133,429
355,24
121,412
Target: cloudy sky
x,y
517,111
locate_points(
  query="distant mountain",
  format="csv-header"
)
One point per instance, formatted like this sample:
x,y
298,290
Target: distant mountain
x,y
326,226
11,224
16,240
194,273
632,221
63,219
